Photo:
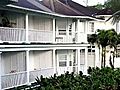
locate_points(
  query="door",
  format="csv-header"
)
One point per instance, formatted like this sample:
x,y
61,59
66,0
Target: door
x,y
64,61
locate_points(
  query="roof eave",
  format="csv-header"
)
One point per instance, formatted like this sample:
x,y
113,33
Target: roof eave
x,y
52,14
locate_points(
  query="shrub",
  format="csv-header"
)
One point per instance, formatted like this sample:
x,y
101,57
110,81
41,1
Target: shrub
x,y
97,79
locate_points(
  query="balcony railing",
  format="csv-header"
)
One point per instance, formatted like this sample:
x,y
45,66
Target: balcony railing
x,y
12,34
20,78
40,36
19,35
13,79
45,72
43,36
64,39
77,37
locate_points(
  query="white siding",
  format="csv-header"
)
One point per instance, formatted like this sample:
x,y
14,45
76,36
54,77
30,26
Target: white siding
x,y
13,62
40,59
38,23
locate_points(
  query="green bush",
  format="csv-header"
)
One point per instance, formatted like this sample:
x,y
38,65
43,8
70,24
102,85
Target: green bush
x,y
97,79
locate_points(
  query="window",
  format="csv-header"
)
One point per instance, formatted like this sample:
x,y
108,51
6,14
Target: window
x,y
62,32
91,26
118,51
62,57
62,63
62,60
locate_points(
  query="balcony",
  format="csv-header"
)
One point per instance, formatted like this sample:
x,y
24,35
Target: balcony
x,y
18,35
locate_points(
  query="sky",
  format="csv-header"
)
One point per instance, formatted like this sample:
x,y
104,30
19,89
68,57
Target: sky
x,y
90,2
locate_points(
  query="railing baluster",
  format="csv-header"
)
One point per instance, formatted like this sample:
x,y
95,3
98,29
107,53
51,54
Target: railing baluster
x,y
12,34
40,36
14,79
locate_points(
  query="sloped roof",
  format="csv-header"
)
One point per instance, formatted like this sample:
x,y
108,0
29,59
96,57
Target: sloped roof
x,y
61,8
105,12
78,7
32,4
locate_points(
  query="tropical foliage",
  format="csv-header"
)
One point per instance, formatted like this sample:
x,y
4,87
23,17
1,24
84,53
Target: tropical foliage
x,y
106,38
114,5
97,79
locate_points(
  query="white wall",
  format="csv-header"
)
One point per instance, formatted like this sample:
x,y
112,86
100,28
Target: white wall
x,y
104,25
40,59
40,23
13,62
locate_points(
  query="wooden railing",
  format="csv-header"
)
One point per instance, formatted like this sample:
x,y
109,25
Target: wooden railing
x,y
13,79
45,72
12,34
41,36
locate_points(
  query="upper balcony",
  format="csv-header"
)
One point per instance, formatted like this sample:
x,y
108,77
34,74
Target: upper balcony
x,y
24,28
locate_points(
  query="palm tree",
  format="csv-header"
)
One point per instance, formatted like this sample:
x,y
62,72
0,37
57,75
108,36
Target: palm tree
x,y
113,42
104,38
115,6
101,39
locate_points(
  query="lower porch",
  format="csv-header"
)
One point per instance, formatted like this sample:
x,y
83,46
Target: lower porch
x,y
22,67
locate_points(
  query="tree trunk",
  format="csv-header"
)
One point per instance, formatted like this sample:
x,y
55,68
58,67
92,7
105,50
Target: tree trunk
x,y
104,55
102,58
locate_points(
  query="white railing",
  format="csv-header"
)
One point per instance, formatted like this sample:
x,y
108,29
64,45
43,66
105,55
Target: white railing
x,y
37,73
77,37
65,39
12,34
13,79
41,36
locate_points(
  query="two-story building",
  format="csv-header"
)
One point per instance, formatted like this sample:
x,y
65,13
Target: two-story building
x,y
43,38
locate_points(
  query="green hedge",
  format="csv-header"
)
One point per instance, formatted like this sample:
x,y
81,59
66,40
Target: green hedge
x,y
97,79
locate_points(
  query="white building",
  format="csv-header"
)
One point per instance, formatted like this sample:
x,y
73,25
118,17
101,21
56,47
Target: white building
x,y
44,38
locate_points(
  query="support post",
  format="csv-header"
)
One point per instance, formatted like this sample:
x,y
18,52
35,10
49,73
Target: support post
x,y
27,66
54,61
86,62
26,27
78,33
78,58
0,71
54,30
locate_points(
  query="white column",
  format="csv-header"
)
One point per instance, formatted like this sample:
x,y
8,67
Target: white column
x,y
0,70
54,30
67,38
78,30
54,61
26,27
27,65
86,62
97,57
78,59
